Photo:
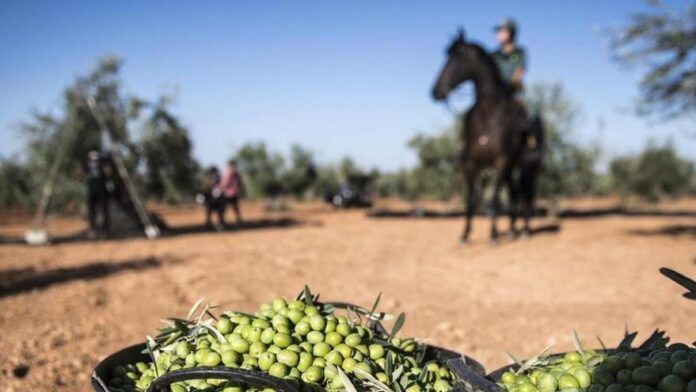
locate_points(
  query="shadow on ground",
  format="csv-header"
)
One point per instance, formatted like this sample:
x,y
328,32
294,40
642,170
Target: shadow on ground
x,y
535,231
169,231
14,281
570,213
671,230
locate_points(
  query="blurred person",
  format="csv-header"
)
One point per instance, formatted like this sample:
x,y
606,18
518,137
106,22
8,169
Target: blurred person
x,y
509,56
231,188
212,197
99,187
511,59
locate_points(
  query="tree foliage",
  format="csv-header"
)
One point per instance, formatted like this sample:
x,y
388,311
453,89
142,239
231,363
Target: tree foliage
x,y
661,42
656,173
569,167
161,146
261,170
15,184
438,172
170,171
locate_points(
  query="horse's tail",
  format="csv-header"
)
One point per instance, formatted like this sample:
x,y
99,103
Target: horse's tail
x,y
533,140
539,131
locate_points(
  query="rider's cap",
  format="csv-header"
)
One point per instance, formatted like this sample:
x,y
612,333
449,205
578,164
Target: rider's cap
x,y
508,24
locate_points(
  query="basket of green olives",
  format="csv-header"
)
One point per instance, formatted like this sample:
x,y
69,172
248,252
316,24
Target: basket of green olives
x,y
288,346
653,366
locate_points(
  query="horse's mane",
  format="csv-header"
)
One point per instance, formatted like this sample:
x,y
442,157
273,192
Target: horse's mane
x,y
490,64
486,59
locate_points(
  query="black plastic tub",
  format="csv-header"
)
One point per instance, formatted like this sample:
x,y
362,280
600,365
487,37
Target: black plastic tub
x,y
466,369
470,373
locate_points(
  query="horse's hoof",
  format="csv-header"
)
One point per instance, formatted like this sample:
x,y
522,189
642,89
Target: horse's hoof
x,y
526,234
493,242
463,241
513,235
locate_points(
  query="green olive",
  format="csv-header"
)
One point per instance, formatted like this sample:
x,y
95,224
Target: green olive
x,y
224,325
182,350
211,359
297,305
266,360
345,350
266,335
303,328
317,322
321,349
333,339
231,358
313,374
311,310
349,364
279,304
353,340
278,370
240,345
289,358
568,381
315,337
282,340
295,315
257,348
334,358
343,328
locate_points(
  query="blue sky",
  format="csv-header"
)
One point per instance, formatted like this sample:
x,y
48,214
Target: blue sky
x,y
342,78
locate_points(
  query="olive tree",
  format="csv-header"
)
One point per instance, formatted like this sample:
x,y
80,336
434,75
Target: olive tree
x,y
661,43
164,150
656,173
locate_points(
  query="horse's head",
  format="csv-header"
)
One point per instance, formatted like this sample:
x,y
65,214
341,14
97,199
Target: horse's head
x,y
460,67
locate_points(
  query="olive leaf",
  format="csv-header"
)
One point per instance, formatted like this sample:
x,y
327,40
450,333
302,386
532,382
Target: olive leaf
x,y
420,351
307,296
514,358
347,384
371,380
172,337
194,308
533,361
397,387
397,373
578,344
398,324
209,313
351,321
389,365
601,343
218,334
150,344
374,308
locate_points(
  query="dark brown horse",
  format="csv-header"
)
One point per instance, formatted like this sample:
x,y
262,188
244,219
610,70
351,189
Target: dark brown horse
x,y
497,134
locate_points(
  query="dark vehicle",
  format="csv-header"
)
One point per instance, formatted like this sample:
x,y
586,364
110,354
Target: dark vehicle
x,y
355,192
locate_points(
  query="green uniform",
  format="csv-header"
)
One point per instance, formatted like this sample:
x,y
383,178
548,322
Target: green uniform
x,y
508,63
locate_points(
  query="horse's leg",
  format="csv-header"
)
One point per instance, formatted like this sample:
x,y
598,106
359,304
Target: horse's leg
x,y
499,175
470,176
529,197
514,194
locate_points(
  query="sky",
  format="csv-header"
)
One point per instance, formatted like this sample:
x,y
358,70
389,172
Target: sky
x,y
341,78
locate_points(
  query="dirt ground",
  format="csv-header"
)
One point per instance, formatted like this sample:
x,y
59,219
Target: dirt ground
x,y
66,306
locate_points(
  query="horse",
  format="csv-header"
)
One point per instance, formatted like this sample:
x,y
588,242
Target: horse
x,y
497,134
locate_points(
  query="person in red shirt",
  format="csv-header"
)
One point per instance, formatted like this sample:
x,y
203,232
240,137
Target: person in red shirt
x,y
231,188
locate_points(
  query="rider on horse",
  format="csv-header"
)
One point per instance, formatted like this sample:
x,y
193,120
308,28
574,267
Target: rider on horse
x,y
510,58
